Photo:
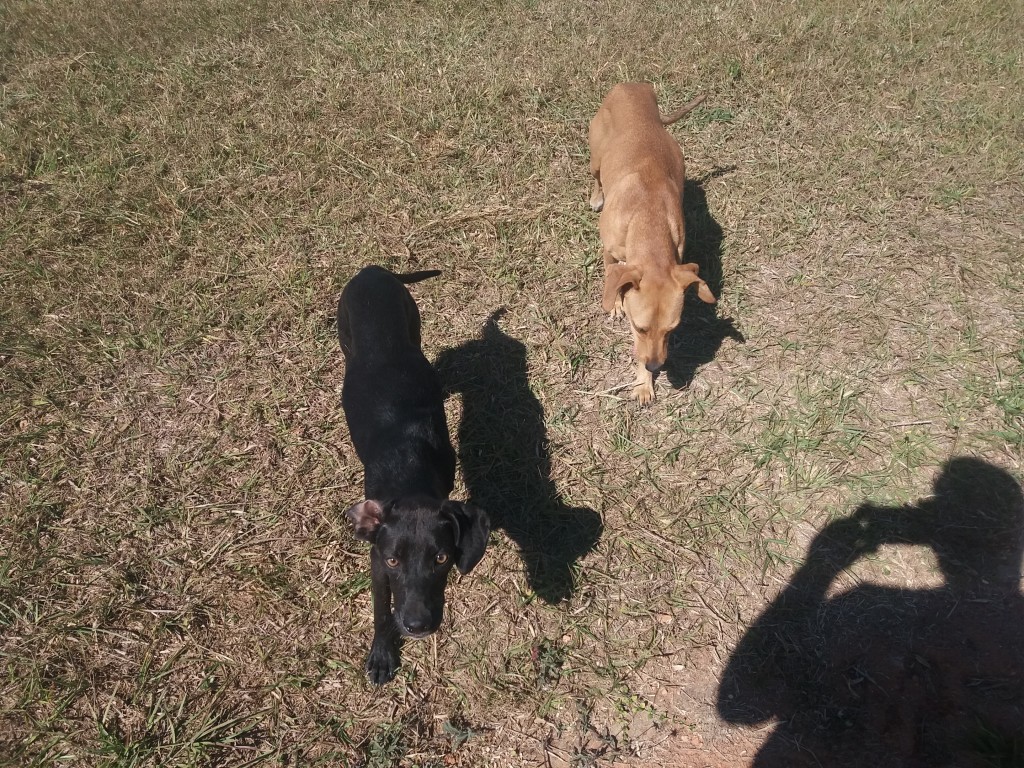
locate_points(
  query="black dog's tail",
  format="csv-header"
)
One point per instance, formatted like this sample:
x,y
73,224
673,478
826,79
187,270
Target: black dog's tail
x,y
415,277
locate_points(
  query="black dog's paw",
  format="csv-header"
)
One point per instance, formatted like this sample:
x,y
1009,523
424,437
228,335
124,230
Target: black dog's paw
x,y
382,663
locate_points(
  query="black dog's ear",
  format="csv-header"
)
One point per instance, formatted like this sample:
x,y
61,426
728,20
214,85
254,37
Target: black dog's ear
x,y
472,528
365,518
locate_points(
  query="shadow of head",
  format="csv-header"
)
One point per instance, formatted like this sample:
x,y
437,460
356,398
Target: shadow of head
x,y
505,460
974,522
700,332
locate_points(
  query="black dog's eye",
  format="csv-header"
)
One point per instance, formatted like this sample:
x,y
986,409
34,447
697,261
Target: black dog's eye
x,y
441,558
392,562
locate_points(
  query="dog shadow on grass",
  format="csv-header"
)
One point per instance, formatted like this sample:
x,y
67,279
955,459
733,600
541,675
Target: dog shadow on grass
x,y
879,676
505,461
701,331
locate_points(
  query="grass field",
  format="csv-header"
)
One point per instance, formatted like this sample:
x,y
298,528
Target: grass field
x,y
186,185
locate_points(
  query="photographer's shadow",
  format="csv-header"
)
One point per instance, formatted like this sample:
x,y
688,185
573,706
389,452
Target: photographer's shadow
x,y
882,676
505,461
700,332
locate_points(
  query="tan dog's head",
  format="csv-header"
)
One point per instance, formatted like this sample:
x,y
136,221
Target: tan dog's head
x,y
653,304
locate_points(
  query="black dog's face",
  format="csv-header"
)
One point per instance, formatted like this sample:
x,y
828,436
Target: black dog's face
x,y
415,544
417,549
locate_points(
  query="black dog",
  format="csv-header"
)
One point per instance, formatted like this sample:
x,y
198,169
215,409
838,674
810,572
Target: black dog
x,y
395,410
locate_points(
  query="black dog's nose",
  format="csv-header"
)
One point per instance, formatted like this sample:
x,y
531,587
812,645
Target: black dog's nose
x,y
653,366
417,626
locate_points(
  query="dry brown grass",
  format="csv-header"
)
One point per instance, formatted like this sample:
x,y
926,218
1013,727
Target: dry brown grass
x,y
184,189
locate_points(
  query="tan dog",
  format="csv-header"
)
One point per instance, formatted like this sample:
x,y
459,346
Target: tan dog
x,y
638,187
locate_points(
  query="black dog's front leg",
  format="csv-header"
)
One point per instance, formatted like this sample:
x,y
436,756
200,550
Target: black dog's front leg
x,y
382,663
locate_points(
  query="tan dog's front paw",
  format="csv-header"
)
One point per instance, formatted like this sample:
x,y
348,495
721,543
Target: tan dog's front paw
x,y
618,311
597,198
644,393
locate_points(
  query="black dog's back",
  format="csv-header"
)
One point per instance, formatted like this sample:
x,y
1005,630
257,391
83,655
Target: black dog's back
x,y
391,395
377,306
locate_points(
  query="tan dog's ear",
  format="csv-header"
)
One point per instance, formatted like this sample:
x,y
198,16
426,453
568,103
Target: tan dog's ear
x,y
618,278
686,274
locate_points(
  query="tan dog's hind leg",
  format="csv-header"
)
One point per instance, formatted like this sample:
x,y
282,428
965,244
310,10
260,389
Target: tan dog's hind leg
x,y
643,390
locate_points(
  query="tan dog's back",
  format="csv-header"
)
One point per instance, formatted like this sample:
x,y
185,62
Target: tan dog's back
x,y
627,137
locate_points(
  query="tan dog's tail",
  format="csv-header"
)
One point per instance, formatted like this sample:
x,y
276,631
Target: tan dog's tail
x,y
682,111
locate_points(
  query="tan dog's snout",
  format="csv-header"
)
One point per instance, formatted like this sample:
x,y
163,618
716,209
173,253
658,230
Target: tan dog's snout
x,y
651,349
